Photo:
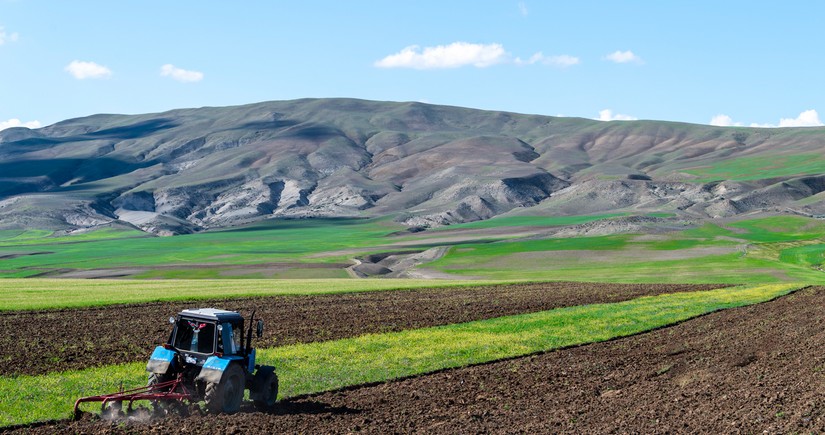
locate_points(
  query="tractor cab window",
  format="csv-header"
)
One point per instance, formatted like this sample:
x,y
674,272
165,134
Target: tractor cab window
x,y
195,336
230,339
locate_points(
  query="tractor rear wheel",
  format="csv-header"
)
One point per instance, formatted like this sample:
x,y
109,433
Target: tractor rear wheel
x,y
227,395
155,379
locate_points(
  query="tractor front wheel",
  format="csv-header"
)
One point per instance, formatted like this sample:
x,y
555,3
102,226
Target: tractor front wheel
x,y
266,389
227,395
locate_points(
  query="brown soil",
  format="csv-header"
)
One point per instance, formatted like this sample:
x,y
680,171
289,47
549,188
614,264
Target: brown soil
x,y
79,338
745,370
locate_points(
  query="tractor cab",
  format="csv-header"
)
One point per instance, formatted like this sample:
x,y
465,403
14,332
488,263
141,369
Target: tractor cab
x,y
201,333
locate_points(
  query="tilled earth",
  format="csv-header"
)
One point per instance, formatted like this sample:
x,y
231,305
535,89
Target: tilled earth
x,y
745,370
48,341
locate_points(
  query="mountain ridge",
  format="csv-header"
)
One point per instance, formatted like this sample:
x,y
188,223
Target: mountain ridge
x,y
186,170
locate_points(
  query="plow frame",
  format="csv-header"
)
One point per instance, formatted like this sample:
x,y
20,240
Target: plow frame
x,y
173,390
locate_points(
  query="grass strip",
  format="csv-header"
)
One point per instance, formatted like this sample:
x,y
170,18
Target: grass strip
x,y
315,367
41,294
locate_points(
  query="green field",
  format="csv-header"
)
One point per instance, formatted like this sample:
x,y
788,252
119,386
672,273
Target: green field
x,y
772,249
272,241
40,294
530,221
755,168
762,250
307,368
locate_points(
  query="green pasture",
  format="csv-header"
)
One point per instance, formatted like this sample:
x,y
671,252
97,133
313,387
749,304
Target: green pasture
x,y
759,167
270,241
276,241
315,367
37,237
530,221
764,250
40,294
746,251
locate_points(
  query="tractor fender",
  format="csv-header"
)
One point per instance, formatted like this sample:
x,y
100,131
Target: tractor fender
x,y
160,361
214,367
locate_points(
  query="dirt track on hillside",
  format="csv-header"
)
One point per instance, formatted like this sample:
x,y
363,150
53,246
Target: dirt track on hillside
x,y
50,341
744,370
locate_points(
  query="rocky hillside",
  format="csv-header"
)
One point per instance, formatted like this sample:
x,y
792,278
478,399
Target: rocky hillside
x,y
424,165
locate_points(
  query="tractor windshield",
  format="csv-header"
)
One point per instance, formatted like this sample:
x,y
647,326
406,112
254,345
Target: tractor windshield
x,y
195,336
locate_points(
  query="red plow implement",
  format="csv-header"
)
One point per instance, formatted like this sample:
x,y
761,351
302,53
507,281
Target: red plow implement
x,y
170,391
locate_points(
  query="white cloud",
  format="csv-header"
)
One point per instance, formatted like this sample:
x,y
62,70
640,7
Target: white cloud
x,y
455,55
623,57
7,37
522,8
538,57
808,118
180,74
14,122
722,120
561,61
87,70
608,115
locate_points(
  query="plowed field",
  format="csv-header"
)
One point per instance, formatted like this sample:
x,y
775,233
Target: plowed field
x,y
744,370
79,338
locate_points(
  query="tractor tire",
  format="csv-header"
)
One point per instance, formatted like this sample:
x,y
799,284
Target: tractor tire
x,y
158,406
266,389
155,379
227,395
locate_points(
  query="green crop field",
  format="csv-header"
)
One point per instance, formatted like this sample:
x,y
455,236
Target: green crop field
x,y
516,247
273,241
40,294
314,367
748,251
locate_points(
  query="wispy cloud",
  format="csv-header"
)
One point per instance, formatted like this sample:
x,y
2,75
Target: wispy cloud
x,y
14,122
459,54
454,55
808,118
87,70
623,57
561,61
608,115
180,74
522,8
7,37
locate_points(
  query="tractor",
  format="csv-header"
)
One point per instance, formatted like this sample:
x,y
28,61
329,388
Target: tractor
x,y
205,359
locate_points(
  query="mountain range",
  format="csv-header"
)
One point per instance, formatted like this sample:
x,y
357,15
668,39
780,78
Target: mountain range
x,y
425,165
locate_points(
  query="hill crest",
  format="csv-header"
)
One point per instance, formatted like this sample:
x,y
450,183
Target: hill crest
x,y
186,170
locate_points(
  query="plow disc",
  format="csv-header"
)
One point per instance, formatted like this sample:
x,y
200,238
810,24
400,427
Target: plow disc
x,y
170,391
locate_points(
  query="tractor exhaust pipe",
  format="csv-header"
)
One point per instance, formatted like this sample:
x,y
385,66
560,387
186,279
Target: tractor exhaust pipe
x,y
248,347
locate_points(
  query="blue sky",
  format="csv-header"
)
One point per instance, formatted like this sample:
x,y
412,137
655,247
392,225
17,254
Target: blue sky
x,y
734,62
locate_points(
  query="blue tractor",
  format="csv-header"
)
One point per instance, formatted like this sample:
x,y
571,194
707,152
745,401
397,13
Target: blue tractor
x,y
208,353
207,358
